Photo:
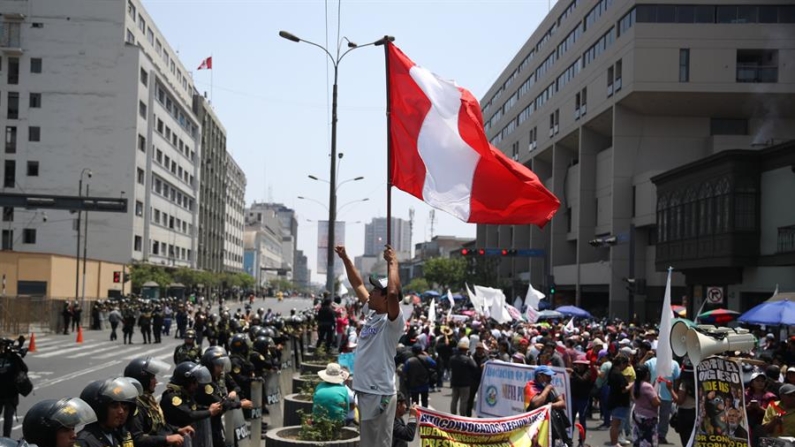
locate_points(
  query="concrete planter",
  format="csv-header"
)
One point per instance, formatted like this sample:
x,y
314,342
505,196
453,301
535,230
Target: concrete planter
x,y
300,379
292,404
285,437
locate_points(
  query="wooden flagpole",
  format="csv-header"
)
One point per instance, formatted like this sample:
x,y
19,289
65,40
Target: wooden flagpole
x,y
387,44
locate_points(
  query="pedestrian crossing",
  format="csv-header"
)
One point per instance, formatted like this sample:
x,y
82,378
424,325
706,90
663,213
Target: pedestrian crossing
x,y
62,348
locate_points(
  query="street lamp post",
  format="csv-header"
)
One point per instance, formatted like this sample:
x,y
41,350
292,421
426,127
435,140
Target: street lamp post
x,y
85,257
332,208
79,215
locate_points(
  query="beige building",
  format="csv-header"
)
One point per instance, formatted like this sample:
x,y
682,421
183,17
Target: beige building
x,y
606,95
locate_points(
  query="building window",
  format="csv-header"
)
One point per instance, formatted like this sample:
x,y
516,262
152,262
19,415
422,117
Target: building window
x,y
745,207
11,140
141,143
577,101
144,77
8,214
10,174
34,133
13,70
141,23
130,36
584,105
35,65
155,248
610,75
35,100
757,65
9,36
159,156
138,243
142,109
141,176
515,151
139,208
29,236
131,9
13,105
156,217
557,121
8,239
728,126
684,65
617,82
33,169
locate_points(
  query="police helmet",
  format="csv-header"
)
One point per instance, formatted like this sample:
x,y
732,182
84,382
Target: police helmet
x,y
216,355
253,330
44,419
261,344
239,344
101,393
187,372
190,334
143,369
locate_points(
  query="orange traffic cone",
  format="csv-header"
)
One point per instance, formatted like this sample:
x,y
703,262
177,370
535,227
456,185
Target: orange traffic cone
x,y
32,343
79,334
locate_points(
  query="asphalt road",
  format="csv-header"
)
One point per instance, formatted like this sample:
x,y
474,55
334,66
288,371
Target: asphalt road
x,y
60,367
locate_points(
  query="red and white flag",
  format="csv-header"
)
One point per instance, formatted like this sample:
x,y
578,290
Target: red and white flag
x,y
440,153
206,64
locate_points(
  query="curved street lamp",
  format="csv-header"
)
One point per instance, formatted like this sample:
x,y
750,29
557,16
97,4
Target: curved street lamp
x,y
332,208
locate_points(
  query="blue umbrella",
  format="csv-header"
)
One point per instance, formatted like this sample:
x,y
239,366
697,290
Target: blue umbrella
x,y
771,313
574,311
430,293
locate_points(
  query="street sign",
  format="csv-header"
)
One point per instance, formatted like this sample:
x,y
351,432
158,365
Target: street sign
x,y
715,295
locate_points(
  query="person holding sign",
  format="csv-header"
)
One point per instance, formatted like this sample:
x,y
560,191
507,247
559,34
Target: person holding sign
x,y
539,392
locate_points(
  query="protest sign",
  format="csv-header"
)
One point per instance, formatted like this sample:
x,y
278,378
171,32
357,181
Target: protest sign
x,y
720,404
501,391
347,359
439,429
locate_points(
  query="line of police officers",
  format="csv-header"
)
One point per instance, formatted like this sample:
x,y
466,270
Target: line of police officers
x,y
123,412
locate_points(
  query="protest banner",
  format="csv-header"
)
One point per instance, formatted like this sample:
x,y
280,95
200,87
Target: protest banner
x,y
347,359
439,429
720,402
501,391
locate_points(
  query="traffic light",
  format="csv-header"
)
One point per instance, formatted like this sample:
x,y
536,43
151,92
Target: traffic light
x,y
465,252
116,276
481,252
552,287
508,252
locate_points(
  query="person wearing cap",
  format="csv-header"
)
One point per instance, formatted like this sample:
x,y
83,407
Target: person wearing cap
x,y
757,399
330,398
789,375
581,384
779,419
403,433
481,356
374,381
773,374
418,372
463,370
445,345
618,400
666,400
539,392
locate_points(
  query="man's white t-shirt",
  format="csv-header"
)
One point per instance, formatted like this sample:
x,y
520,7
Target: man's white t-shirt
x,y
374,365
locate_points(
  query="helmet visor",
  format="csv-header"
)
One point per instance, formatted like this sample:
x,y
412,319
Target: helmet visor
x,y
72,412
156,367
122,389
201,374
224,362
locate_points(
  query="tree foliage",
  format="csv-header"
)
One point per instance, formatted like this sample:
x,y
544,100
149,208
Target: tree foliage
x,y
417,285
447,273
163,276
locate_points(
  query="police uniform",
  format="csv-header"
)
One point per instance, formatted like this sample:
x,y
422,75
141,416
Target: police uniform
x,y
128,325
243,374
179,408
185,353
93,436
217,391
145,323
147,425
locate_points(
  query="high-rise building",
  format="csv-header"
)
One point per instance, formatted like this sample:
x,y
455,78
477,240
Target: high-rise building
x,y
301,272
287,224
235,215
116,101
375,237
604,96
211,252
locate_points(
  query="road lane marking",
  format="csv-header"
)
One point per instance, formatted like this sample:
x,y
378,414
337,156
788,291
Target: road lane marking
x,y
63,351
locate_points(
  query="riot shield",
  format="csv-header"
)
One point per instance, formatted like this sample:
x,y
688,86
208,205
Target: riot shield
x,y
272,399
255,415
235,429
204,433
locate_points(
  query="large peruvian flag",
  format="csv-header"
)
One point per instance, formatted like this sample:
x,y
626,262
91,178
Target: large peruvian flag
x,y
440,153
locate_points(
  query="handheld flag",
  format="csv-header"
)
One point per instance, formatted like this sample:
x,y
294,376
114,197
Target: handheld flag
x,y
439,152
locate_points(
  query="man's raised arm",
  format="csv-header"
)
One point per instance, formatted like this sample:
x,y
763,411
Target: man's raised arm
x,y
353,275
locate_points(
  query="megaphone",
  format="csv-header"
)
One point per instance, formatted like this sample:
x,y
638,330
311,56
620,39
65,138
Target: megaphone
x,y
702,344
679,337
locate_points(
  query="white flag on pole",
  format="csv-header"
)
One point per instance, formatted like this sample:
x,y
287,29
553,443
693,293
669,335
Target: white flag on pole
x,y
452,303
665,356
476,301
533,297
343,290
432,314
570,326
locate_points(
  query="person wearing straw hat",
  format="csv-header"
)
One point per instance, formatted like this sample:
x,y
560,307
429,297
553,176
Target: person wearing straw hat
x,y
331,396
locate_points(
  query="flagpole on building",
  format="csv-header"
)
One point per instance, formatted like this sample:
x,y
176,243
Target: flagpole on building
x,y
211,79
387,45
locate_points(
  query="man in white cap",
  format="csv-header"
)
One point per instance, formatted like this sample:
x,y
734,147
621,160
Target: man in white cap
x,y
462,375
331,396
374,381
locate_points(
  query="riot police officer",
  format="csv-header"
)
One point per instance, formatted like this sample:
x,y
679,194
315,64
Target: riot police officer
x,y
113,401
51,423
145,323
222,389
178,405
128,324
157,323
187,351
147,425
242,369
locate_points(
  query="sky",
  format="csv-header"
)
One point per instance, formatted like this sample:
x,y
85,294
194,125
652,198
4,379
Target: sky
x,y
273,96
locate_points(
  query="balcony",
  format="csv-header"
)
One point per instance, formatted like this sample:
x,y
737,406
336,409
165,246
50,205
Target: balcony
x,y
10,42
757,74
786,239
